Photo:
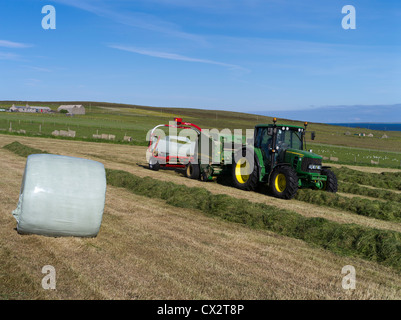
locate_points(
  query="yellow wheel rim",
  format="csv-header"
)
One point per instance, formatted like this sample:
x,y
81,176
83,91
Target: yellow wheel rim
x,y
280,182
242,171
189,171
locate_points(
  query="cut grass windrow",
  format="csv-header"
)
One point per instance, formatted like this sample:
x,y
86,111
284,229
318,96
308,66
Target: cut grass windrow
x,y
21,149
385,180
382,246
383,210
354,188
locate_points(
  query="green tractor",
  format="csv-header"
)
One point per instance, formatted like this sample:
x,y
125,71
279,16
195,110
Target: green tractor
x,y
282,162
276,157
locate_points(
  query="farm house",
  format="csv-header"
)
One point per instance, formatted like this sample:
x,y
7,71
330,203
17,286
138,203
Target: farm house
x,y
30,109
39,109
72,109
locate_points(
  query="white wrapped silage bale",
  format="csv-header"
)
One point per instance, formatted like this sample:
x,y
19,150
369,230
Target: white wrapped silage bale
x,y
61,196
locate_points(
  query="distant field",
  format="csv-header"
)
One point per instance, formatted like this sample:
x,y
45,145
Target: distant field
x,y
357,156
373,126
135,121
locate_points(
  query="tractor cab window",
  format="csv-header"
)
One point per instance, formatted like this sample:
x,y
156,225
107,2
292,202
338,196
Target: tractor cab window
x,y
264,138
289,138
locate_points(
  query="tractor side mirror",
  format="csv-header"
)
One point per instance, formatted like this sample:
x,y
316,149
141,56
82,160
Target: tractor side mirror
x,y
312,135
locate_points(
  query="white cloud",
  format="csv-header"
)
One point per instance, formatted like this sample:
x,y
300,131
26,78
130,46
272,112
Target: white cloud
x,y
174,56
8,56
39,69
11,44
32,82
134,19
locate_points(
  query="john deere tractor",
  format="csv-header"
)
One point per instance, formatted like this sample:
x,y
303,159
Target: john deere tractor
x,y
276,157
281,162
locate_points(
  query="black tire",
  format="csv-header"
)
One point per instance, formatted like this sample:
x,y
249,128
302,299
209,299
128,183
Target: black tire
x,y
154,164
204,177
192,171
245,178
284,182
331,184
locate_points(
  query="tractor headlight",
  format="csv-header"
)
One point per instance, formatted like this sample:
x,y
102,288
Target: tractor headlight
x,y
315,167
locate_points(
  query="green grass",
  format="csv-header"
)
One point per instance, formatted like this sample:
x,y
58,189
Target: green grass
x,y
354,188
135,121
352,181
358,156
21,149
383,210
84,126
384,180
382,246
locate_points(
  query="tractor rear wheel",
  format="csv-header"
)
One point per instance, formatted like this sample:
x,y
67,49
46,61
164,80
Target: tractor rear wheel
x,y
245,173
192,171
284,182
331,184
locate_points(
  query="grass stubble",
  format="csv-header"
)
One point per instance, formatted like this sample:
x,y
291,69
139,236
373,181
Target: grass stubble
x,y
150,248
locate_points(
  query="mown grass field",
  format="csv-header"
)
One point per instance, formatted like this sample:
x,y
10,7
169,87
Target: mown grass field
x,y
164,236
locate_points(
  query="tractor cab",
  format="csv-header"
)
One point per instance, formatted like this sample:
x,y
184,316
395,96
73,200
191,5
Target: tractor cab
x,y
275,140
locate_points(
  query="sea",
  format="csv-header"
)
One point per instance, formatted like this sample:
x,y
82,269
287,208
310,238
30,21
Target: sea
x,y
372,126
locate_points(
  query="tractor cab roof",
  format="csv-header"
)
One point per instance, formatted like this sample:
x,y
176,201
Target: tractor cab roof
x,y
278,126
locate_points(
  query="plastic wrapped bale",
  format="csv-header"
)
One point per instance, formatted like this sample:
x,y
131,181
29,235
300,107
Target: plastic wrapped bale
x,y
61,196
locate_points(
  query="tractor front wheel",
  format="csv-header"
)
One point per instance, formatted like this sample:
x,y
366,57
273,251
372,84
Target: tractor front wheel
x,y
331,184
284,182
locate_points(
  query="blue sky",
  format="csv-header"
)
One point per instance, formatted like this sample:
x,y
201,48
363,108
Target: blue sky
x,y
240,55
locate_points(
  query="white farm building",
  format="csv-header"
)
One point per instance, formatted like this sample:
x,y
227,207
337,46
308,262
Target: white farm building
x,y
30,109
72,109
